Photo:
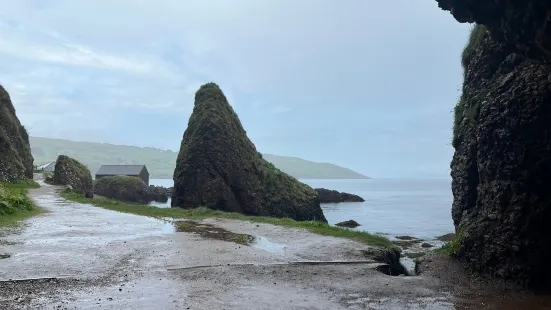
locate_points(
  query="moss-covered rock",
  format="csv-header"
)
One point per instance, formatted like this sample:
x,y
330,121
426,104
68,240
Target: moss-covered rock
x,y
158,193
123,188
218,167
16,160
69,171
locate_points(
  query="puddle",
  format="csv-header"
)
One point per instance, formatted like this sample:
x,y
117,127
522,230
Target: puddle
x,y
266,245
213,232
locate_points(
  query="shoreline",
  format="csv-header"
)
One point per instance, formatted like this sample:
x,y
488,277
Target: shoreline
x,y
123,261
203,213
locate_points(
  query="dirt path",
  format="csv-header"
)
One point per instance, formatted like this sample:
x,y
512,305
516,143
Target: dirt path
x,y
77,256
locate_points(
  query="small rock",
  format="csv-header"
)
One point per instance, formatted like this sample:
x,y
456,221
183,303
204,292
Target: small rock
x,y
426,245
349,224
405,237
447,237
415,255
4,255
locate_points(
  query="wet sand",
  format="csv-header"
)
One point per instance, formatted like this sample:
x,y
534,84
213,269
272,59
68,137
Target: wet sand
x,y
78,256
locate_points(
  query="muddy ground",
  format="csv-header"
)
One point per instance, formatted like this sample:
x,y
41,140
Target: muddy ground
x,y
77,256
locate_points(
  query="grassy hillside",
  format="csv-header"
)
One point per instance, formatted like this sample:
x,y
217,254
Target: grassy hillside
x,y
161,163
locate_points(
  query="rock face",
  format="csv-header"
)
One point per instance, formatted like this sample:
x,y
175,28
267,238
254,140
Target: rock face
x,y
218,167
123,188
502,140
69,171
332,196
16,160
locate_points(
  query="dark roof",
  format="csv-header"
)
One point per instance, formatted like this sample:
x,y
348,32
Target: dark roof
x,y
120,169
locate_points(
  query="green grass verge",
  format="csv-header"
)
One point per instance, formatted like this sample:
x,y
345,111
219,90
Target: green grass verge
x,y
27,184
15,205
16,218
452,247
203,213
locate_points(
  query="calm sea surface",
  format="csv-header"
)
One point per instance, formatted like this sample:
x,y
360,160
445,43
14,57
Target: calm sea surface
x,y
414,207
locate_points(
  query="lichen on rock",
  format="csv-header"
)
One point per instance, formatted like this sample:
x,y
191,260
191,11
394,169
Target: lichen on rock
x,y
502,141
123,188
219,167
69,171
16,160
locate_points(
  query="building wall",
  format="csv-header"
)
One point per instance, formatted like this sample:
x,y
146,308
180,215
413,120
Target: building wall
x,y
144,175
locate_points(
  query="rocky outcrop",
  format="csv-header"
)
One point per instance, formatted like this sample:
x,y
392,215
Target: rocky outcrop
x,y
123,188
158,193
69,171
332,196
16,160
348,224
390,259
502,140
218,167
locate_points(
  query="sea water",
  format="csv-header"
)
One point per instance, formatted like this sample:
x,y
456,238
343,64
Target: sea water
x,y
394,207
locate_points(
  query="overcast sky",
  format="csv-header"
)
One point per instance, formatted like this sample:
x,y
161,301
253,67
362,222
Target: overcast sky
x,y
366,84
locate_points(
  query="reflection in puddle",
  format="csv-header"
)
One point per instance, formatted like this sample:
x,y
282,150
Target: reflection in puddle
x,y
218,233
266,245
212,232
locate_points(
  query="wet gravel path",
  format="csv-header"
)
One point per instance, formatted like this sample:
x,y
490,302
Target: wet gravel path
x,y
77,256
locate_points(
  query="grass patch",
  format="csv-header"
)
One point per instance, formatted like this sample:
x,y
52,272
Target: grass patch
x,y
14,219
15,205
476,37
204,213
452,247
26,184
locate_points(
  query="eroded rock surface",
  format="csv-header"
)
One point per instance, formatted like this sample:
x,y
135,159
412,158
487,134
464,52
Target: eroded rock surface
x,y
16,160
502,140
219,167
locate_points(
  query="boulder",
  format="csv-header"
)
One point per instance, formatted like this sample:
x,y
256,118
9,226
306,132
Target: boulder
x,y
389,257
333,196
123,188
219,167
69,171
348,224
158,193
16,160
502,141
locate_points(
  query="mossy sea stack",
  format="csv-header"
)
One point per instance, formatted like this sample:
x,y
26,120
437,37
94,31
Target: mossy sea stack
x,y
16,160
69,171
219,167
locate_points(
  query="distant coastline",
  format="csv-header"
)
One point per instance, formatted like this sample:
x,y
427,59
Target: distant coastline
x,y
161,163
